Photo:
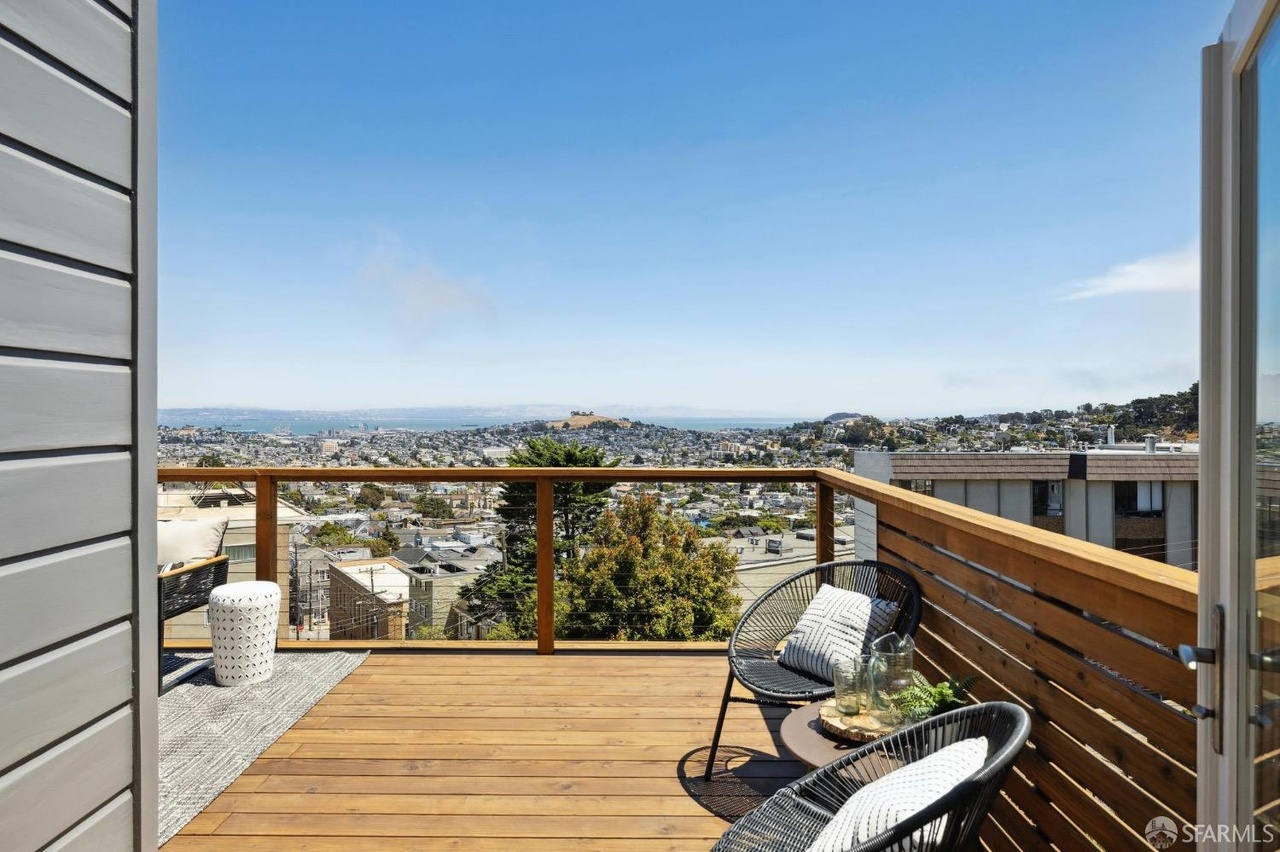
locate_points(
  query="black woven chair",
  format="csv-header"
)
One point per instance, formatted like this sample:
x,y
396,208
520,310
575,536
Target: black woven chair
x,y
187,588
753,647
792,818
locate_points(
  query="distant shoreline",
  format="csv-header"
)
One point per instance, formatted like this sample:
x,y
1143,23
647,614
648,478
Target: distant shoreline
x,y
313,426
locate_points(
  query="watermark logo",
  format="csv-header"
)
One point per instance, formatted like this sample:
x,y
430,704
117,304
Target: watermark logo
x,y
1161,832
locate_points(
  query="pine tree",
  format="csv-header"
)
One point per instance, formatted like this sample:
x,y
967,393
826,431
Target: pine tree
x,y
508,589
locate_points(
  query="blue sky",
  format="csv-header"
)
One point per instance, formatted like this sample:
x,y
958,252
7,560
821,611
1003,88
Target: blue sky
x,y
759,207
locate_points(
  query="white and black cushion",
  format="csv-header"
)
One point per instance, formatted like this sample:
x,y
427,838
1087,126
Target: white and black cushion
x,y
837,624
188,539
887,801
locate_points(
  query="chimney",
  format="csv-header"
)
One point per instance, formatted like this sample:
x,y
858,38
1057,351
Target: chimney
x,y
1111,435
1151,443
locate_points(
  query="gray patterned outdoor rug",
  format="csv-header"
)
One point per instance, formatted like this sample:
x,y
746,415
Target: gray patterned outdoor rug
x,y
210,734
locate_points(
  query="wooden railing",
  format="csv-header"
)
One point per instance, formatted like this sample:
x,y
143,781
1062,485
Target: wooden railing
x,y
266,480
1079,634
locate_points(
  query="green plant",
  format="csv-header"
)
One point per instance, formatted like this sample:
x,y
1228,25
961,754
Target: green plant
x,y
923,699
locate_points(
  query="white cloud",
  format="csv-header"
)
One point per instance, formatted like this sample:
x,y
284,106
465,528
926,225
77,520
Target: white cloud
x,y
1175,272
423,292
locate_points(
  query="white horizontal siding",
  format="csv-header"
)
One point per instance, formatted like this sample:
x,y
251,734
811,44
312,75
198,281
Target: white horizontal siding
x,y
50,209
80,33
58,309
47,110
125,6
59,404
53,501
44,697
46,600
106,829
40,799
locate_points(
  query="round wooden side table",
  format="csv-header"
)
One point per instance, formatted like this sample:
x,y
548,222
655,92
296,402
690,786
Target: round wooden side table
x,y
803,735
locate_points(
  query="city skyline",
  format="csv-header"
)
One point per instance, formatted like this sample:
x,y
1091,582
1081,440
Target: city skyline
x,y
719,208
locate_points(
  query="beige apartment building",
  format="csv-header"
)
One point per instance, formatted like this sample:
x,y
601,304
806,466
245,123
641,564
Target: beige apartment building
x,y
1129,499
239,544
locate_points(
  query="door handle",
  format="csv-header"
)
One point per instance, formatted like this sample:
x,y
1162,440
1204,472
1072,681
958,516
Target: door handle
x,y
1194,655
1266,661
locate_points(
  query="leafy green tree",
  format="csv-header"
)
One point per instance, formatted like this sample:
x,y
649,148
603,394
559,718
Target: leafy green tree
x,y
292,495
210,459
389,537
433,506
733,520
502,632
330,534
370,496
509,588
647,575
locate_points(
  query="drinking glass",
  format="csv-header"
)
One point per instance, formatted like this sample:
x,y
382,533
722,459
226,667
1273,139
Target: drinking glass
x,y
853,684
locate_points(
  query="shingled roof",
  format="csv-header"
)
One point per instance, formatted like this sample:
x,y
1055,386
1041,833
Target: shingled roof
x,y
980,465
1100,466
1124,467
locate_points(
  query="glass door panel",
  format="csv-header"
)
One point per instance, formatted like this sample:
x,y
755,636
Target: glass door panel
x,y
1266,556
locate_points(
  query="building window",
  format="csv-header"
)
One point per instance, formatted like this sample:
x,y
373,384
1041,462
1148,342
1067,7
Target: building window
x,y
1141,499
1046,498
921,486
242,552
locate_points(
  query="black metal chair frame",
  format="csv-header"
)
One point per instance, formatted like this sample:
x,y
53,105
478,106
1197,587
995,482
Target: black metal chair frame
x,y
753,647
187,588
793,817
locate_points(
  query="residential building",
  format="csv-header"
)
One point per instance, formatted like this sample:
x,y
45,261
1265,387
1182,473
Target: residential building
x,y
239,544
368,599
309,582
1133,500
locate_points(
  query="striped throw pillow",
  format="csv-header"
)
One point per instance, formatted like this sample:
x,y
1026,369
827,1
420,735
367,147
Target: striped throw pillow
x,y
838,624
887,801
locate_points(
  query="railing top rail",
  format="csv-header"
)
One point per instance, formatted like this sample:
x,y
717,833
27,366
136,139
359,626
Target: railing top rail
x,y
489,474
1175,586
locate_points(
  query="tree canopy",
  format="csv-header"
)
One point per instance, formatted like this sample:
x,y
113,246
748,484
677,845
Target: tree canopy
x,y
370,496
330,534
647,575
508,588
433,506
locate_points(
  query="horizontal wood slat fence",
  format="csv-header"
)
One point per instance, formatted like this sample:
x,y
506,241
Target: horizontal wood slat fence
x,y
1080,635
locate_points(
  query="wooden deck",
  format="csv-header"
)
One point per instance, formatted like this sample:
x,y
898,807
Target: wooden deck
x,y
591,750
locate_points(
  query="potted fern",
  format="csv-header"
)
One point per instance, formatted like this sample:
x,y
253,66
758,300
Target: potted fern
x,y
923,699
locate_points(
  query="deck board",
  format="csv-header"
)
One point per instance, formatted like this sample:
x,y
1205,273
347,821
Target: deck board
x,y
581,750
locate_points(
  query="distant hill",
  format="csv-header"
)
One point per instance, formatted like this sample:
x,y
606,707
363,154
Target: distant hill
x,y
579,420
1170,415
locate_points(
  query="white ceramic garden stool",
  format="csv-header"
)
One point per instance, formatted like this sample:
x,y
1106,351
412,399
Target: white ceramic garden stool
x,y
243,619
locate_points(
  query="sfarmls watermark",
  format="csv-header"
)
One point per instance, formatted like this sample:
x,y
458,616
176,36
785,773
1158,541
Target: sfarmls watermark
x,y
1162,832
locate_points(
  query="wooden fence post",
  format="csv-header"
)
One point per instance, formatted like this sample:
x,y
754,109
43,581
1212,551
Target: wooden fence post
x,y
267,561
546,567
826,530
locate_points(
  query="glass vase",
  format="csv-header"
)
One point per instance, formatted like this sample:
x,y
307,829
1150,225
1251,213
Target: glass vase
x,y
892,663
